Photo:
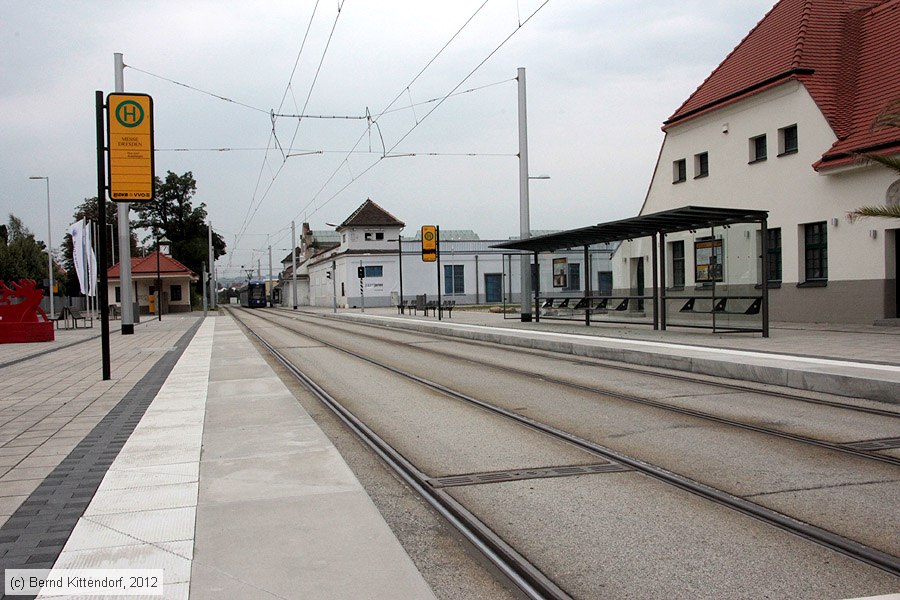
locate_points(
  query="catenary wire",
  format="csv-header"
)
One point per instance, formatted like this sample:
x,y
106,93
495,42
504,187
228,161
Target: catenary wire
x,y
443,99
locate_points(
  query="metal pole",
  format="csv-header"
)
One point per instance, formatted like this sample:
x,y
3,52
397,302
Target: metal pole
x,y
437,250
524,219
362,286
272,304
654,248
764,251
294,264
400,261
663,265
334,286
49,247
112,231
537,286
588,293
124,231
205,306
101,198
212,264
159,284
713,265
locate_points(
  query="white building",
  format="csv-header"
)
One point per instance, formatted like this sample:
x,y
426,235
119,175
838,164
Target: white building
x,y
471,271
777,127
148,272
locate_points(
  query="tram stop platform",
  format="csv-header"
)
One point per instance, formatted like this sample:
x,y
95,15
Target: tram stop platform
x,y
196,460
849,360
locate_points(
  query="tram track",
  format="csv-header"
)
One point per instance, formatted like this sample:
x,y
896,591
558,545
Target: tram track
x,y
661,373
544,378
528,578
859,551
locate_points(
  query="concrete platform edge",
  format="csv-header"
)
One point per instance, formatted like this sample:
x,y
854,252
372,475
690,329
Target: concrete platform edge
x,y
833,383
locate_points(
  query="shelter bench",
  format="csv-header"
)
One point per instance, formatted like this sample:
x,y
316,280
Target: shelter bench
x,y
76,314
63,317
721,306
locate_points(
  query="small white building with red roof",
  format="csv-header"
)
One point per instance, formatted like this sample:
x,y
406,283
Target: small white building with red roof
x,y
174,278
779,126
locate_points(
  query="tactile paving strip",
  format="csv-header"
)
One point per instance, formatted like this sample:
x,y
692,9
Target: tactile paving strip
x,y
35,534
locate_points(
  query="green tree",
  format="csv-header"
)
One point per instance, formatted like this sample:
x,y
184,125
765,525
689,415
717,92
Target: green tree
x,y
173,215
21,256
889,117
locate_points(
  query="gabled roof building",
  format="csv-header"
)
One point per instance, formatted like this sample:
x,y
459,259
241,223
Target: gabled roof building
x,y
370,243
175,278
779,126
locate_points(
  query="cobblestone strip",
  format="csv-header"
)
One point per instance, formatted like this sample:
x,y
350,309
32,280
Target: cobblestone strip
x,y
35,534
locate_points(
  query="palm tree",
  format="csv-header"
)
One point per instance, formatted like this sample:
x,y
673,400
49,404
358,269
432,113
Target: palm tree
x,y
889,117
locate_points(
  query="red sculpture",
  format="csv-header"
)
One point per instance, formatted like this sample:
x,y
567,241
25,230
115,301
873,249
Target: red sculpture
x,y
20,308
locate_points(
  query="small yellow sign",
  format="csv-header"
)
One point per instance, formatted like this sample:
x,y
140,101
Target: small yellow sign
x,y
129,127
429,243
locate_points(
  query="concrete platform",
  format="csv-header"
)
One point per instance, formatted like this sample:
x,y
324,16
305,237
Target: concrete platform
x,y
217,476
848,360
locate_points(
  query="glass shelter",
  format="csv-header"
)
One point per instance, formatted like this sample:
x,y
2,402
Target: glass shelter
x,y
693,266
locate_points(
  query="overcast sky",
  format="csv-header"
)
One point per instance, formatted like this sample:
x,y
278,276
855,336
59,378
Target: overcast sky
x,y
601,77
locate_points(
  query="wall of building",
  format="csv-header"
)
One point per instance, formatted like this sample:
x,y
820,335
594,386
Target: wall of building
x,y
860,270
475,260
142,294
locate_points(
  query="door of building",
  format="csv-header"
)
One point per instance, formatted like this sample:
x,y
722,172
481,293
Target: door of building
x,y
604,283
493,287
639,281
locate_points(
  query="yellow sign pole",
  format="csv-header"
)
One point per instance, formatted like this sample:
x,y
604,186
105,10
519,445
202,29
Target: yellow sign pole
x,y
129,119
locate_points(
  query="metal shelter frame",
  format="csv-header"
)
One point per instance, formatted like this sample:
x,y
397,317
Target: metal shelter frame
x,y
654,226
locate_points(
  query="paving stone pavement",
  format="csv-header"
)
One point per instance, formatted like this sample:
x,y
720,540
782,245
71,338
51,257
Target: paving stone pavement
x,y
61,427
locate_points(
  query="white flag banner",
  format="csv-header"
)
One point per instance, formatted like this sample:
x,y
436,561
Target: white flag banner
x,y
80,257
90,259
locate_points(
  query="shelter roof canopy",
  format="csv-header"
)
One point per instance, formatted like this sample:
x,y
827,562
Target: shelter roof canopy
x,y
668,221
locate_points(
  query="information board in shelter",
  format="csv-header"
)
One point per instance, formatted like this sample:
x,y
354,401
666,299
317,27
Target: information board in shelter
x,y
129,130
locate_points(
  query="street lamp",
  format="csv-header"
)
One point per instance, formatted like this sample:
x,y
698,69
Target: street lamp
x,y
49,245
160,243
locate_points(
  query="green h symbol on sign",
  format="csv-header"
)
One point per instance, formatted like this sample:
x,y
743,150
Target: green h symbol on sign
x,y
129,113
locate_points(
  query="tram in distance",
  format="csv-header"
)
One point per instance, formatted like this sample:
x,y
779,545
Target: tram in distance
x,y
253,294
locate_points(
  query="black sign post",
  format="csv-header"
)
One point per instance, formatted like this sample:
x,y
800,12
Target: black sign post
x,y
103,303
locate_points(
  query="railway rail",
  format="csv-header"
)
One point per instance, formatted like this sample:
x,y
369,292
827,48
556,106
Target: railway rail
x,y
521,571
854,449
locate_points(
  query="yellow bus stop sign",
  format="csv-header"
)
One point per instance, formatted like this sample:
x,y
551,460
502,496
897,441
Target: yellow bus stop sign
x,y
129,130
429,243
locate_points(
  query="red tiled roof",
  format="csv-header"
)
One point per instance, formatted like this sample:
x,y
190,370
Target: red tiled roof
x,y
146,265
846,53
369,214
